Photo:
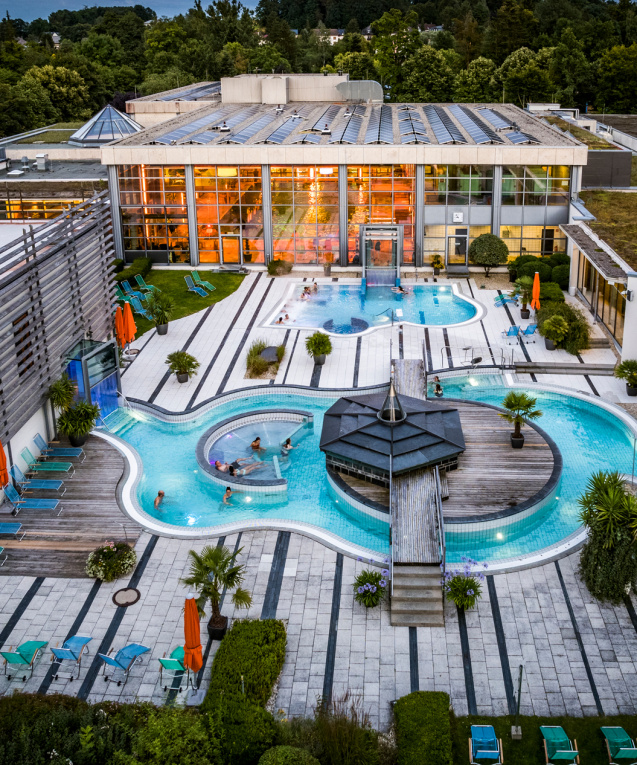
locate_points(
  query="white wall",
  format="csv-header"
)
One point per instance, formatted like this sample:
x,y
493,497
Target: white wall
x,y
24,437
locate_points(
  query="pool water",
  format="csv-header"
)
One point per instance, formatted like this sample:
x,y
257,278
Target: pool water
x,y
590,439
347,309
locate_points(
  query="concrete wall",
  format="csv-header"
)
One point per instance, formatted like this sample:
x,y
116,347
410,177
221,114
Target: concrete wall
x,y
24,437
271,89
64,152
607,169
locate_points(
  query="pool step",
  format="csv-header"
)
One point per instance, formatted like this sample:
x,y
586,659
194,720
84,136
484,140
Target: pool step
x,y
417,597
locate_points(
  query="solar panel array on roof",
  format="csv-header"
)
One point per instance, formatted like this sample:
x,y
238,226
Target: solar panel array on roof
x,y
194,93
347,131
479,131
380,127
445,129
498,121
517,136
283,131
191,127
208,136
252,129
410,126
327,117
308,138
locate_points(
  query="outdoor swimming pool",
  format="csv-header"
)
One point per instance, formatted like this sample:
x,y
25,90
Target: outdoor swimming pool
x,y
589,438
347,309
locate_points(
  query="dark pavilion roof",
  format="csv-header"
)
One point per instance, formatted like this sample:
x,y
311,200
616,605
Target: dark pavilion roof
x,y
429,434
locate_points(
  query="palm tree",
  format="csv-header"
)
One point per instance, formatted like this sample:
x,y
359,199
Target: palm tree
x,y
212,571
607,507
520,408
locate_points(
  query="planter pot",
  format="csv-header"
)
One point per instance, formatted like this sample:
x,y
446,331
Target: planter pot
x,y
525,313
513,276
77,441
182,378
217,632
436,271
327,269
162,329
549,344
320,360
517,443
631,390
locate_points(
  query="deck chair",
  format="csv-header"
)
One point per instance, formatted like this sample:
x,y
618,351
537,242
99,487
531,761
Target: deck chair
x,y
173,667
46,484
131,292
513,333
201,282
28,503
51,451
619,745
34,466
71,652
483,745
504,299
528,332
146,287
4,560
122,662
24,658
193,288
119,295
139,308
12,529
557,746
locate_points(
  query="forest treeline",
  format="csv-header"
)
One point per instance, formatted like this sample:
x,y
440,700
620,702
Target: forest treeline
x,y
578,52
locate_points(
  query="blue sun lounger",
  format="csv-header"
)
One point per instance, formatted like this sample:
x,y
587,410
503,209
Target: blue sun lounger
x,y
24,657
131,292
139,308
123,661
504,299
71,652
50,451
513,333
557,746
46,484
193,288
35,466
619,746
528,332
12,529
29,503
484,747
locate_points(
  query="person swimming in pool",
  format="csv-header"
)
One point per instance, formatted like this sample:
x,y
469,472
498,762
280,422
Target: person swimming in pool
x,y
234,469
224,467
279,320
400,290
227,494
438,392
159,499
314,286
287,447
256,445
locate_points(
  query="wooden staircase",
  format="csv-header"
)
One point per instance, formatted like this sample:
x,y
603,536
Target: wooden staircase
x,y
417,597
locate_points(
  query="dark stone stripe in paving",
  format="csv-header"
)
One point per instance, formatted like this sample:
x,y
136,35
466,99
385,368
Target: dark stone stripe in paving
x,y
296,339
484,329
86,606
502,645
330,658
466,664
587,377
204,376
631,611
414,678
445,335
316,376
22,607
237,353
273,590
357,361
578,637
430,365
401,344
116,621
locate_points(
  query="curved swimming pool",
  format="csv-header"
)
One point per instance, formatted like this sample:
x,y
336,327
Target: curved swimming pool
x,y
589,437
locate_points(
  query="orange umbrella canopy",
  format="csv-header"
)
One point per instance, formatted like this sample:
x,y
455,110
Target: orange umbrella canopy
x,y
535,302
4,476
119,327
129,324
192,648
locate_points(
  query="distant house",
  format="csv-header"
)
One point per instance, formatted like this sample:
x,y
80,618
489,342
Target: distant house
x,y
431,28
367,33
21,41
56,39
335,35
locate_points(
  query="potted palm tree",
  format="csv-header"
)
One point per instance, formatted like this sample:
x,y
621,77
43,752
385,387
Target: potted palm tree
x,y
183,365
78,421
554,330
211,572
160,307
627,370
520,407
437,263
327,266
319,346
61,395
524,288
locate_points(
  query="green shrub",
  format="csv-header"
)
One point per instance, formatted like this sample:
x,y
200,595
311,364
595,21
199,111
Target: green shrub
x,y
423,728
345,735
139,266
488,251
280,352
551,291
277,267
627,371
463,586
561,275
370,587
318,344
118,264
530,267
110,562
256,365
554,329
288,755
578,336
559,259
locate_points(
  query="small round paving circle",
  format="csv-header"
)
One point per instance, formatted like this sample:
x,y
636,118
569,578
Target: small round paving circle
x,y
126,597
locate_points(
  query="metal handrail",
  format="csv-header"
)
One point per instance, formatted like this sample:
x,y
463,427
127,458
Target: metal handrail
x,y
478,355
441,524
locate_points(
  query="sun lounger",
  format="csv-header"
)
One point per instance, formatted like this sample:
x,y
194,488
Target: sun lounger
x,y
12,529
504,299
193,288
34,466
173,666
620,746
484,746
123,661
139,308
201,282
131,292
528,332
513,333
5,557
557,746
28,503
146,287
119,295
24,657
63,451
71,652
46,484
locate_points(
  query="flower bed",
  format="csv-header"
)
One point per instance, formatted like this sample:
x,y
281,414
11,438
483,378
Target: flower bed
x,y
111,561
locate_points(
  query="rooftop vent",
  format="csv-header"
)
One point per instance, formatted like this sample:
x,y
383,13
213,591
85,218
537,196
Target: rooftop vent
x,y
392,411
326,130
224,128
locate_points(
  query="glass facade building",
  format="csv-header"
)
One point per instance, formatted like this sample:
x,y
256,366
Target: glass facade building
x,y
607,301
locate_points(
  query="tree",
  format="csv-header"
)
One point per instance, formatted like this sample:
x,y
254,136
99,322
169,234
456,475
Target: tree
x,y
474,84
569,70
396,39
66,89
468,37
519,408
616,81
524,77
488,251
429,78
513,27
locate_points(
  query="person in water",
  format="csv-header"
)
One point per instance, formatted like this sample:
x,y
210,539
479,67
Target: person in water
x,y
159,499
226,495
224,467
287,447
256,445
438,390
235,469
279,320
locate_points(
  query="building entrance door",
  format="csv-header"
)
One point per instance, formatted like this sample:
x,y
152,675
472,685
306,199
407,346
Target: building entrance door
x,y
231,249
457,248
382,248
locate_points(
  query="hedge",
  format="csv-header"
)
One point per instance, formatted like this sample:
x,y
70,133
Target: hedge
x,y
288,755
423,728
551,291
139,266
578,337
561,275
530,267
559,259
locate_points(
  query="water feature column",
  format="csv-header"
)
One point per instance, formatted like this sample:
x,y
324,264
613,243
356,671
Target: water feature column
x,y
266,186
191,207
419,221
342,214
496,200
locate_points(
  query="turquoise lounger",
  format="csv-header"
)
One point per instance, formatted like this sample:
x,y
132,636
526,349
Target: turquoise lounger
x,y
34,466
28,503
146,287
51,451
43,484
557,746
173,666
123,661
484,747
619,746
201,283
193,288
24,657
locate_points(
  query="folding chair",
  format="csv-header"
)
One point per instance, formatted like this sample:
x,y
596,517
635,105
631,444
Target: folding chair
x,y
24,658
123,661
71,652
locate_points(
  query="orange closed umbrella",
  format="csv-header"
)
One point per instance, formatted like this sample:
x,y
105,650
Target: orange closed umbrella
x,y
535,302
119,327
4,476
192,649
129,324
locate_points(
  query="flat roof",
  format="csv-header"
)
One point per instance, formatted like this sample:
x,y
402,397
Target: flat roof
x,y
598,256
61,170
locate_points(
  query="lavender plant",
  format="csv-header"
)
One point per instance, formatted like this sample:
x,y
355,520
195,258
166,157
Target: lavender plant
x,y
370,587
464,586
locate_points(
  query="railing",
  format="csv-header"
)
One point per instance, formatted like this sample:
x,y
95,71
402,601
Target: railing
x,y
440,522
472,356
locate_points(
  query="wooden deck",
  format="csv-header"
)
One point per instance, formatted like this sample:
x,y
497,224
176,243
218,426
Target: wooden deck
x,y
414,524
58,546
409,377
367,491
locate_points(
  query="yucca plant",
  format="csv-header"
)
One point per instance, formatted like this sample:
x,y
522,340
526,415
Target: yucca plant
x,y
78,421
607,507
61,393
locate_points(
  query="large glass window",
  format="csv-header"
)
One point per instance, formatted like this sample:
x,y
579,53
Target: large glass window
x,y
605,299
533,240
381,194
154,213
535,185
305,213
229,202
458,184
18,208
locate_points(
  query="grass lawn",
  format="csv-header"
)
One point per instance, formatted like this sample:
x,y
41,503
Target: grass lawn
x,y
585,136
530,751
633,172
616,224
173,284
49,136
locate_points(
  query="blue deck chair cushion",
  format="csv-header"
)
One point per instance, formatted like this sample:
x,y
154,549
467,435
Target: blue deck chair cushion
x,y
130,291
19,502
484,743
12,529
55,451
49,484
193,288
53,467
72,648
